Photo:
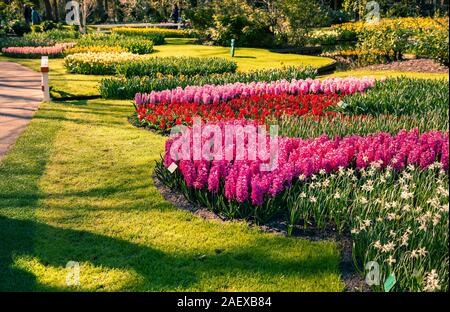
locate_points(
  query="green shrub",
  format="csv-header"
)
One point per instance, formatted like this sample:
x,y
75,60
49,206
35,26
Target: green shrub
x,y
36,28
301,16
330,36
425,37
434,43
188,66
400,96
48,25
126,88
392,40
237,20
20,28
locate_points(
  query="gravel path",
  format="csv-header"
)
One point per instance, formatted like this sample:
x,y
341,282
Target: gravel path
x,y
416,65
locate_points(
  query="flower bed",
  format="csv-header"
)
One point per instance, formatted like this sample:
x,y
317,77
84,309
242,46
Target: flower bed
x,y
152,32
36,52
135,45
94,49
106,63
412,23
308,125
103,63
164,116
126,88
400,96
208,94
188,66
390,191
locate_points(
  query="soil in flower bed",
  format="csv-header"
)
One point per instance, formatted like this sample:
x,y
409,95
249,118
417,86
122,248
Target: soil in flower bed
x,y
353,281
416,65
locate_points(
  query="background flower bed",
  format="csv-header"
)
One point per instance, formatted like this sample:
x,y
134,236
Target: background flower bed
x,y
152,32
58,50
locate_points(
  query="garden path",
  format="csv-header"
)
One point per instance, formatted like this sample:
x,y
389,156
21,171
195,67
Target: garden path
x,y
20,95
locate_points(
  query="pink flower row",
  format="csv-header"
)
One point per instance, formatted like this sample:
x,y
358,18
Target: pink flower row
x,y
56,49
245,181
215,94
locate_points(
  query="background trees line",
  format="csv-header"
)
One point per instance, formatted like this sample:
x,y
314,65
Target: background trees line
x,y
159,10
250,22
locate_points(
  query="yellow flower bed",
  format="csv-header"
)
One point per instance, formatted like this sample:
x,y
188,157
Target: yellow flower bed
x,y
413,23
94,49
153,31
102,63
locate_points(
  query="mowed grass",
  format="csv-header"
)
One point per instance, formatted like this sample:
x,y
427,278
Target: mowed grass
x,y
77,186
62,83
246,58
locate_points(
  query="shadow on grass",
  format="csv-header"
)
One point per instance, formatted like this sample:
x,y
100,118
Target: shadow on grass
x,y
20,173
158,270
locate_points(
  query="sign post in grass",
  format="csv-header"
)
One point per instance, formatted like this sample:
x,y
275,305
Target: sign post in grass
x,y
44,85
232,47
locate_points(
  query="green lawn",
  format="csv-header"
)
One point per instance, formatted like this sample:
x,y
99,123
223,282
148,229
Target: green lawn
x,y
77,186
246,58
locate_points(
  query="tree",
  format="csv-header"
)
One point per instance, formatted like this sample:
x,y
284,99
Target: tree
x,y
55,11
100,12
48,9
87,7
299,17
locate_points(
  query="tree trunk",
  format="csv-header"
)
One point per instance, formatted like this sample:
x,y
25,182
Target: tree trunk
x,y
48,9
55,11
83,9
100,11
